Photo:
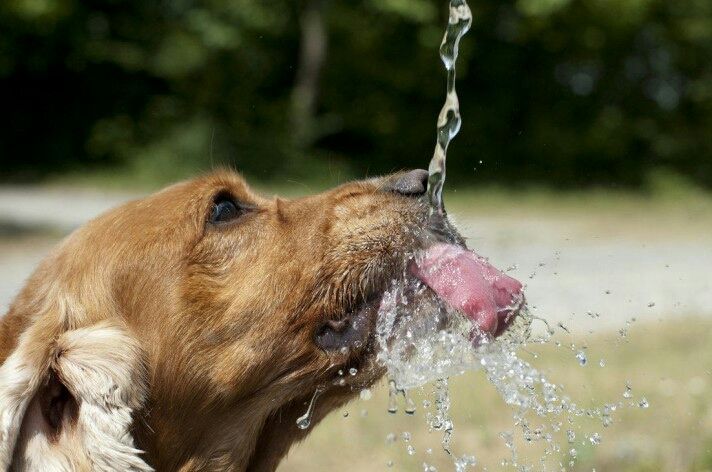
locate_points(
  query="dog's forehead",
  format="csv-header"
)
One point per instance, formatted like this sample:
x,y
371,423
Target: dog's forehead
x,y
195,194
217,181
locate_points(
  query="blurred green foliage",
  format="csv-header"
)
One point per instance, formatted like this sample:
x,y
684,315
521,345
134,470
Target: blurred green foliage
x,y
567,92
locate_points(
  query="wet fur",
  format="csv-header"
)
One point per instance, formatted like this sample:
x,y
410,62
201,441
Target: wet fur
x,y
150,339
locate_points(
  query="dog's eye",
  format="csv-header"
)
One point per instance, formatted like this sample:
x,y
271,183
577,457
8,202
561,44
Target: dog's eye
x,y
225,209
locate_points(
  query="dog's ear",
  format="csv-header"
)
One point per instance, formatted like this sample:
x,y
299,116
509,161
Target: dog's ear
x,y
70,405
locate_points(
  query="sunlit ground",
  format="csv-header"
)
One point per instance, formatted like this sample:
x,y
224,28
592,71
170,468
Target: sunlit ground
x,y
667,363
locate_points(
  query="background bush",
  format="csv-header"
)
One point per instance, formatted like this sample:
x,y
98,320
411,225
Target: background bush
x,y
563,92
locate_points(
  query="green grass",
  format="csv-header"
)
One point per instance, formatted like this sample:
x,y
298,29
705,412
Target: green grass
x,y
670,364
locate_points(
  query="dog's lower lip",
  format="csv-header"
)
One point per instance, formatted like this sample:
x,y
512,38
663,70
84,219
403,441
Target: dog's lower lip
x,y
350,332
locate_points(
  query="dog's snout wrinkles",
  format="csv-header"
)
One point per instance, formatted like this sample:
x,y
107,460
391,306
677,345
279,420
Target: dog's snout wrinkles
x,y
413,183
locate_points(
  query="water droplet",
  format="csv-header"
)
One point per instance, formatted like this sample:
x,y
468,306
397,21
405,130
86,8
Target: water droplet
x,y
304,421
508,439
628,391
570,436
581,356
409,405
643,403
392,398
391,438
651,304
462,463
389,464
595,439
410,449
346,414
353,371
602,363
365,394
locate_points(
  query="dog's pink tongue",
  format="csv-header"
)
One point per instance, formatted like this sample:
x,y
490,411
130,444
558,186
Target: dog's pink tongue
x,y
469,284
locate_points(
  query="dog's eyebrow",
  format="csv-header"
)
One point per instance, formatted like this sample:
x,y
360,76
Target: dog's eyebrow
x,y
223,193
241,198
237,191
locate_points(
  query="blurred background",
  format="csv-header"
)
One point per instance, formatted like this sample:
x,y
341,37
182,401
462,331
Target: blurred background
x,y
584,164
558,92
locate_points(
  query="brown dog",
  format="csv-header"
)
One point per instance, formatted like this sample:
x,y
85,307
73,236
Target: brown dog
x,y
187,330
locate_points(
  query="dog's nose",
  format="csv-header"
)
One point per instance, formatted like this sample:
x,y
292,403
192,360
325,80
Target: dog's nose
x,y
412,183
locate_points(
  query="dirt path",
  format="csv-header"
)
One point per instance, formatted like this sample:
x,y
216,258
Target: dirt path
x,y
572,265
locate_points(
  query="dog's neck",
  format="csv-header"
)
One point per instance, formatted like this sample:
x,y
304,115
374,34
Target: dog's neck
x,y
237,440
280,431
222,439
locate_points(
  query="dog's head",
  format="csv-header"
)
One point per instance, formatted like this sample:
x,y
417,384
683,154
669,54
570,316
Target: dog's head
x,y
245,306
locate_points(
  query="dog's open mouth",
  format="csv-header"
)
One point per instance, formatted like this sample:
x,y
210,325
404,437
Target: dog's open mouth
x,y
428,315
470,285
451,278
439,318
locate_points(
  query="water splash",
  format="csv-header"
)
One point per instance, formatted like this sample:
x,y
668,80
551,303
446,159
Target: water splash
x,y
449,120
304,421
421,341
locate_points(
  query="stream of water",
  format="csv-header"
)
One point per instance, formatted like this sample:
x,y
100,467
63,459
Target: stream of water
x,y
449,120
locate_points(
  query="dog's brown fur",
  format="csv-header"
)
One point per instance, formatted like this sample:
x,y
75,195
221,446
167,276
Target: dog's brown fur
x,y
220,319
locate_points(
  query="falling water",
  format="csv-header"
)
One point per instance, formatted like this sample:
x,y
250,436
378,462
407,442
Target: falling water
x,y
449,119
